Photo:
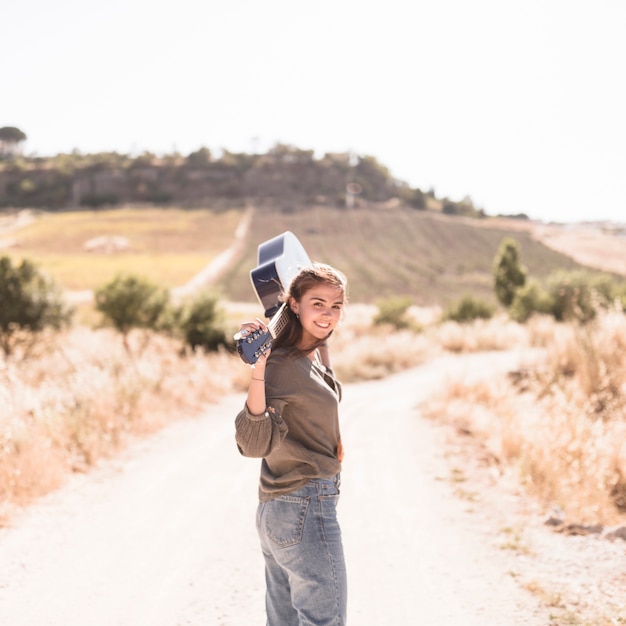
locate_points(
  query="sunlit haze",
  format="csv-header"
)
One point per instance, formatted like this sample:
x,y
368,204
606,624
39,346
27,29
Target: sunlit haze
x,y
518,104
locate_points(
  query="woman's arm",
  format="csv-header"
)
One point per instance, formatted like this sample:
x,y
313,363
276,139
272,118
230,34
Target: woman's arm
x,y
259,429
256,387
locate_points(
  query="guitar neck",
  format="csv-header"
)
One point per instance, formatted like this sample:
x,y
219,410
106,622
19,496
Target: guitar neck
x,y
279,321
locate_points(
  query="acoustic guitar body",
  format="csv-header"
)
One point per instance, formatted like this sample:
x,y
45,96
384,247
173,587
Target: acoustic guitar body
x,y
279,260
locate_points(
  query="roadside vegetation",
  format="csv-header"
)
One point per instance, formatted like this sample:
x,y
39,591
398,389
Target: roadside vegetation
x,y
557,423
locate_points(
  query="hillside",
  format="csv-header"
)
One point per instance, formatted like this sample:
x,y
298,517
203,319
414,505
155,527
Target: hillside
x,y
385,250
431,258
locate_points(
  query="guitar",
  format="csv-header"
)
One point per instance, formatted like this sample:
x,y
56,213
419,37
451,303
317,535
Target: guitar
x,y
279,260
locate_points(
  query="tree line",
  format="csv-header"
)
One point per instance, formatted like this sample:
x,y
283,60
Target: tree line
x,y
285,174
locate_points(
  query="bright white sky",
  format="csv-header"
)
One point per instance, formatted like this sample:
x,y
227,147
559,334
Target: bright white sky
x,y
519,104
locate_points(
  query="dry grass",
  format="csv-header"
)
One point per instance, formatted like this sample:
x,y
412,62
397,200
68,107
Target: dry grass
x,y
559,421
362,351
498,333
84,398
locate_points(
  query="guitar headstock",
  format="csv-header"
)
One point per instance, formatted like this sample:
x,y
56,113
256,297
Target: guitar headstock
x,y
253,346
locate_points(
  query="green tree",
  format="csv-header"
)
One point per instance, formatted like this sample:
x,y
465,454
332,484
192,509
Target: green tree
x,y
509,274
10,139
30,303
129,302
200,158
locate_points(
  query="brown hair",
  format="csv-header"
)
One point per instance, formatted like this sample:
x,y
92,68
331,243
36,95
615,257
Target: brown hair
x,y
307,278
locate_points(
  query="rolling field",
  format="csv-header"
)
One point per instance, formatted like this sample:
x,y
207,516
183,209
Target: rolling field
x,y
85,249
432,259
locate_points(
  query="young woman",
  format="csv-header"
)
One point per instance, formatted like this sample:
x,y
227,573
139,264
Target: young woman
x,y
290,420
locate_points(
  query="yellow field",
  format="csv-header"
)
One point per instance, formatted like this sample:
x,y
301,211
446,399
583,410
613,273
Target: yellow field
x,y
167,246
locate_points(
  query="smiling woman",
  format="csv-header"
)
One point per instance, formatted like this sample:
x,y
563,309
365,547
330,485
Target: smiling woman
x,y
291,421
165,245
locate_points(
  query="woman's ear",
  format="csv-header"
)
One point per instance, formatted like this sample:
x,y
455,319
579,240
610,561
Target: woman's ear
x,y
293,305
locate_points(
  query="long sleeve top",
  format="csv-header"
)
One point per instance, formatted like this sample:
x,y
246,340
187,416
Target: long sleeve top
x,y
298,435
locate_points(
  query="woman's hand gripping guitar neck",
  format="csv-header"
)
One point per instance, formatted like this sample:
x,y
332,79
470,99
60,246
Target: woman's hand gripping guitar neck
x,y
256,387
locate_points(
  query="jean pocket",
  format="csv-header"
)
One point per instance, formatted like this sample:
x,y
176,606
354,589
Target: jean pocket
x,y
284,520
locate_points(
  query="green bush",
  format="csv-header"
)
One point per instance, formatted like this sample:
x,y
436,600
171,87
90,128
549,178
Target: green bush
x,y
529,299
578,296
30,303
201,323
129,302
394,311
467,309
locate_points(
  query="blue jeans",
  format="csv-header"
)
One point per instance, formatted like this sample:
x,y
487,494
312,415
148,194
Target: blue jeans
x,y
305,571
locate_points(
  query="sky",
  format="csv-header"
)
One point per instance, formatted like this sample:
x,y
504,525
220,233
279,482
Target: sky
x,y
519,105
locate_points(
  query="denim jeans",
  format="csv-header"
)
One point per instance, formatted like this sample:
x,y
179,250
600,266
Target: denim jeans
x,y
305,571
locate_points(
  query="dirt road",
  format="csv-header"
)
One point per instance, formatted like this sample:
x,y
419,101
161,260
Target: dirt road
x,y
164,535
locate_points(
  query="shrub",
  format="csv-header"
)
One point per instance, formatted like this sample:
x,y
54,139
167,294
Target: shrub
x,y
467,309
394,311
129,302
509,274
578,296
529,299
31,303
201,324
415,198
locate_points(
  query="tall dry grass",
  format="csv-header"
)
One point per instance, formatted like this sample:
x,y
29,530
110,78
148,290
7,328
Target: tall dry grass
x,y
85,397
559,422
362,351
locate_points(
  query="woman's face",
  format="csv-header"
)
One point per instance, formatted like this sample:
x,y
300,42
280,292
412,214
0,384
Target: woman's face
x,y
320,310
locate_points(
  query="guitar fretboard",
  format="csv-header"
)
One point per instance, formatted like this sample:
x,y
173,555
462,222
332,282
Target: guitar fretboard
x,y
279,321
